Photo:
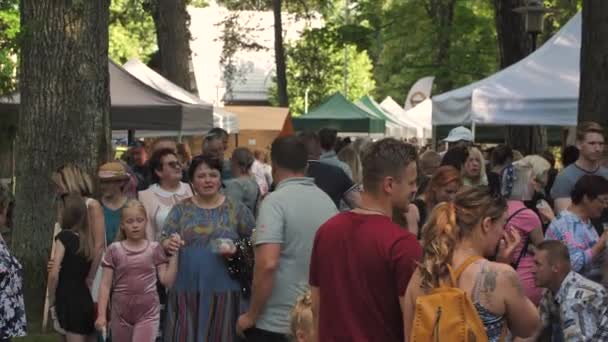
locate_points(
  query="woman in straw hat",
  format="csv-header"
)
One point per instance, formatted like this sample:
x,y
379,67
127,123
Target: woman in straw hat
x,y
112,179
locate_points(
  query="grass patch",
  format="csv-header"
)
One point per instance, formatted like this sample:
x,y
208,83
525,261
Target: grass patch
x,y
39,338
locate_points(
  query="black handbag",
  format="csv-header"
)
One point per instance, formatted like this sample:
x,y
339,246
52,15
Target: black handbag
x,y
240,265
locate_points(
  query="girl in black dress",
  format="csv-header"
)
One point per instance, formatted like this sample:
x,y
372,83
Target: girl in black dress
x,y
69,297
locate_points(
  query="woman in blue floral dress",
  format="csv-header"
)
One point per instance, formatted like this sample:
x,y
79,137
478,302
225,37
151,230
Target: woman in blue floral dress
x,y
205,302
12,308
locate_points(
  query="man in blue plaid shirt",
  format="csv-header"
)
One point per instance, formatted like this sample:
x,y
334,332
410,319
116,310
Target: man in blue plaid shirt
x,y
573,307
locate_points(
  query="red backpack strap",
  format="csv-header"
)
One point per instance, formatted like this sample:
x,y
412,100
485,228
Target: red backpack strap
x,y
455,275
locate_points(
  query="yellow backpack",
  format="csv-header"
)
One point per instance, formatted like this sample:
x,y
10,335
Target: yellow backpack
x,y
447,314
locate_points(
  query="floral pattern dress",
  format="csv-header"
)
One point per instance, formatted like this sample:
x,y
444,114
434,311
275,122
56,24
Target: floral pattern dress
x,y
205,301
12,307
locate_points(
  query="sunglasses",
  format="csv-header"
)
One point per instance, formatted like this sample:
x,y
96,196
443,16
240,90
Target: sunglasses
x,y
174,164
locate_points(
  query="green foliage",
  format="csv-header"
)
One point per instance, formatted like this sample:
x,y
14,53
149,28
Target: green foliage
x,y
9,34
132,31
407,47
316,62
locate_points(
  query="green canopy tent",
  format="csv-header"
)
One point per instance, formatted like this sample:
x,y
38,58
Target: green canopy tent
x,y
394,128
339,113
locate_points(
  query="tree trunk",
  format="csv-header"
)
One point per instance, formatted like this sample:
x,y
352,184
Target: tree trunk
x,y
515,44
64,117
593,102
279,53
171,20
441,13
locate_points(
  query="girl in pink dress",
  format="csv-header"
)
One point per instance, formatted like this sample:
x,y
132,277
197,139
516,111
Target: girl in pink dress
x,y
131,266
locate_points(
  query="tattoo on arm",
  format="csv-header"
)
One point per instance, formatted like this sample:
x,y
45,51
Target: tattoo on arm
x,y
489,280
514,281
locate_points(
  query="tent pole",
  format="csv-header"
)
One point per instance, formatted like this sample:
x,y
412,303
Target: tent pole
x,y
130,136
473,129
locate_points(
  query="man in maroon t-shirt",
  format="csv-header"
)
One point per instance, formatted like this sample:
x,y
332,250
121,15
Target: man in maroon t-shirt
x,y
361,261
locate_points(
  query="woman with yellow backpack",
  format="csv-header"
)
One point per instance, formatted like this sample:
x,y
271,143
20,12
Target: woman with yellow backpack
x,y
456,294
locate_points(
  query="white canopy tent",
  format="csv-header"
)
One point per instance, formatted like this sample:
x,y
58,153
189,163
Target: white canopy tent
x,y
221,117
396,112
541,89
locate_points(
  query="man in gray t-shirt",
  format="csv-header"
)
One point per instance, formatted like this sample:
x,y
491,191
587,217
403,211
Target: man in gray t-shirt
x,y
590,143
287,223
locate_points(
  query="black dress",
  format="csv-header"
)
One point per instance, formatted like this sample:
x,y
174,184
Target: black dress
x,y
73,301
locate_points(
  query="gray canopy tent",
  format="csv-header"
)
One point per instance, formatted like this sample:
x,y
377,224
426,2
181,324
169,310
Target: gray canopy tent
x,y
137,106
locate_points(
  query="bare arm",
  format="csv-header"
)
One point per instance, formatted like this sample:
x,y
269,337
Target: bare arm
x,y
168,272
97,225
104,293
522,315
315,297
54,273
266,265
408,303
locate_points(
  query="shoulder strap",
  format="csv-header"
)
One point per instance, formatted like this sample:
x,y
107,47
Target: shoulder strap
x,y
524,249
515,214
455,275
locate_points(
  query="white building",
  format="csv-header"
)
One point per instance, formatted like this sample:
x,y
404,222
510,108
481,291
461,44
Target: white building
x,y
258,67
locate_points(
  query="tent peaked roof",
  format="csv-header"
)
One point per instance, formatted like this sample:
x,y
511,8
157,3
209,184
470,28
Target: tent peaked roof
x,y
337,107
541,89
393,127
221,118
339,113
138,106
370,105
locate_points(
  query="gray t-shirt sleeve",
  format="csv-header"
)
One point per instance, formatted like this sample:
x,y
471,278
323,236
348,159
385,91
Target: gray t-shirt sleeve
x,y
563,185
270,224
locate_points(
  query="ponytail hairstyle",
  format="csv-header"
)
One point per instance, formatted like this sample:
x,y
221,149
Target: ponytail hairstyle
x,y
449,223
75,218
132,203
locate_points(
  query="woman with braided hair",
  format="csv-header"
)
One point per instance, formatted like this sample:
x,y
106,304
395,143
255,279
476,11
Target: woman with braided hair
x,y
466,232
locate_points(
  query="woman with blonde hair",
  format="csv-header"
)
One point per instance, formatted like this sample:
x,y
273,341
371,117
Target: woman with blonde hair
x,y
474,170
463,234
528,175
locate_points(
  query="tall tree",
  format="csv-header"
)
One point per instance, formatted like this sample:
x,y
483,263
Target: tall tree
x,y
171,20
64,117
279,54
593,102
514,45
441,13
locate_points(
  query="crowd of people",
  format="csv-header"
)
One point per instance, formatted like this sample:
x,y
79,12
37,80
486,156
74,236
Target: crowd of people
x,y
328,240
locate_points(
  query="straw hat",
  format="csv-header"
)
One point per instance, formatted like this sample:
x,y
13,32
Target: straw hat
x,y
112,171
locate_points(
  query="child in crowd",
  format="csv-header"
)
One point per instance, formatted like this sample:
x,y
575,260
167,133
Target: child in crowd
x,y
301,320
69,297
131,266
